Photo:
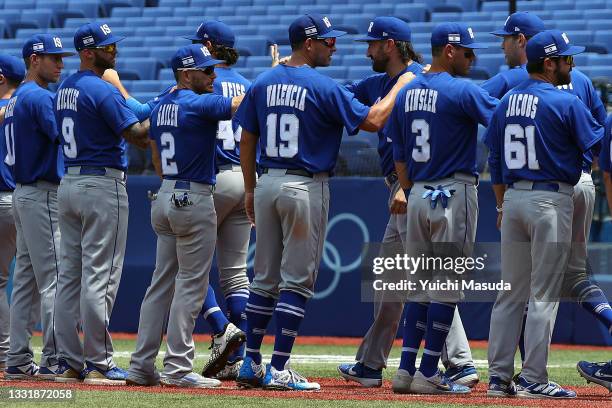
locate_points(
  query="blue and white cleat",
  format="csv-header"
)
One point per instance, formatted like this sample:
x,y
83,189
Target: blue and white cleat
x,y
48,373
361,374
436,384
526,389
97,376
598,373
501,389
287,380
466,375
190,380
66,374
27,371
251,374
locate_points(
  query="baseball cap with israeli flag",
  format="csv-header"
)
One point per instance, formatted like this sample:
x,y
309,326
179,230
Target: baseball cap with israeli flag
x,y
312,26
456,34
193,56
551,43
44,44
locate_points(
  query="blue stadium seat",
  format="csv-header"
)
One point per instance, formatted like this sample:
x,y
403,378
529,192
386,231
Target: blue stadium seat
x,y
10,16
131,42
140,22
356,61
147,86
89,8
237,3
284,11
421,38
151,31
337,72
496,6
19,4
482,28
597,60
416,12
324,2
379,9
257,61
590,4
178,31
245,72
51,4
166,74
598,25
339,9
172,22
245,30
569,25
582,60
478,73
251,11
71,63
279,34
580,37
146,67
567,14
42,17
470,16
599,72
20,26
6,43
126,12
131,52
163,54
272,3
552,5
359,21
207,3
438,17
256,71
490,63
161,42
254,44
597,14
234,21
323,9
173,3
468,5
157,11
259,21
357,73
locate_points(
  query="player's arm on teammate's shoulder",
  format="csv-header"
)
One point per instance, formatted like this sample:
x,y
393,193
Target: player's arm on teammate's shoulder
x,y
248,155
112,77
236,101
138,134
379,113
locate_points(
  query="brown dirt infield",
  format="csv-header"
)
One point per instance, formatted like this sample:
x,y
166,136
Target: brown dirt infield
x,y
337,389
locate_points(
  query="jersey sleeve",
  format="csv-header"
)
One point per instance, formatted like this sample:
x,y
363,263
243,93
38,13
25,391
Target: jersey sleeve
x,y
246,115
344,108
359,89
478,104
605,158
45,116
215,107
492,139
141,110
598,110
495,86
115,112
585,129
393,129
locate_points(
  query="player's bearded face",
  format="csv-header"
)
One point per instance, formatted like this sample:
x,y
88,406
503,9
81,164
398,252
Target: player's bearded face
x,y
201,82
562,72
104,60
377,54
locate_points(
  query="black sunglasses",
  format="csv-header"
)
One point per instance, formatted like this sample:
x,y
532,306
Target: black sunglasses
x,y
467,54
569,59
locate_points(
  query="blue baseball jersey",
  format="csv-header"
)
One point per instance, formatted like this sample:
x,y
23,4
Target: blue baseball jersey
x,y
91,115
499,85
229,83
605,156
370,91
539,134
298,115
30,124
434,125
6,178
184,127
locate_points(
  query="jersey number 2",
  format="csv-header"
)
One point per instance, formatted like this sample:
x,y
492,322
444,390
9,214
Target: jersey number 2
x,y
516,153
289,127
167,154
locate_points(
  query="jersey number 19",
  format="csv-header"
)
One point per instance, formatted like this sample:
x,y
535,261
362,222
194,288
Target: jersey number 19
x,y
287,129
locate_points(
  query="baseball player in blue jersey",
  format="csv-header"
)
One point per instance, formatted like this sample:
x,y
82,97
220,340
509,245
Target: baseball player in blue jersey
x,y
296,115
392,54
536,137
12,72
94,122
601,373
36,160
434,130
184,127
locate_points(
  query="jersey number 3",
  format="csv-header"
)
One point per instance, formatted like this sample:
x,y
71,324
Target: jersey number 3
x,y
421,152
288,130
516,153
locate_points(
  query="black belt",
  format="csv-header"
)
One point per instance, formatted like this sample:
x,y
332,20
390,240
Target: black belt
x,y
182,184
391,178
295,172
542,186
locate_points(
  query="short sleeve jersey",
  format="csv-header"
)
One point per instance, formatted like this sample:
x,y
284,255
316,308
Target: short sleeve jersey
x,y
184,127
298,115
605,157
91,115
6,177
434,125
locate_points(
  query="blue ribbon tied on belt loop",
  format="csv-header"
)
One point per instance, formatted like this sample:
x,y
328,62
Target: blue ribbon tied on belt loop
x,y
440,193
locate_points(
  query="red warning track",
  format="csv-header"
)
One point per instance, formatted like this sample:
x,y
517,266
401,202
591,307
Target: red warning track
x,y
336,389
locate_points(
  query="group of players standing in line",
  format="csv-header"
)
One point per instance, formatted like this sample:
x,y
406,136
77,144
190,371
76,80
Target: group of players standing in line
x,y
65,161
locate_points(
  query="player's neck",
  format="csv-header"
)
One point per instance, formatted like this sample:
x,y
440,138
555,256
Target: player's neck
x,y
542,77
395,67
298,59
31,76
6,92
90,67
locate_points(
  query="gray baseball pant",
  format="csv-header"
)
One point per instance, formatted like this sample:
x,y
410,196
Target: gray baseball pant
x,y
535,245
291,216
93,220
7,253
377,343
233,229
185,246
36,270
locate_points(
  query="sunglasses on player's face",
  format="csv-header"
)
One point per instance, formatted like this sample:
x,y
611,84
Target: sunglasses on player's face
x,y
467,53
569,59
111,48
207,70
328,42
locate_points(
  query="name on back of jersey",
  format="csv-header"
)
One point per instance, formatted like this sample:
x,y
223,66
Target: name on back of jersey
x,y
522,105
292,96
231,89
421,99
10,108
167,115
67,99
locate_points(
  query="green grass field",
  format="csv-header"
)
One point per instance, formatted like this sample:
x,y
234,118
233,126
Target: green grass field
x,y
562,370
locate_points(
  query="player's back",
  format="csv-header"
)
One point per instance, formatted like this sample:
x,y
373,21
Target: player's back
x,y
6,177
30,123
498,85
299,115
90,122
439,117
184,126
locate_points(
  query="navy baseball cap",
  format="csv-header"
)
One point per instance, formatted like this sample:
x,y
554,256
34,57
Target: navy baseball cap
x,y
193,56
550,43
384,28
95,34
312,26
215,32
44,44
455,34
12,67
521,22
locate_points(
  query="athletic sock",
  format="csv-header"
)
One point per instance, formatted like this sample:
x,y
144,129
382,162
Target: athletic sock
x,y
258,311
594,301
235,303
288,314
415,324
439,319
212,312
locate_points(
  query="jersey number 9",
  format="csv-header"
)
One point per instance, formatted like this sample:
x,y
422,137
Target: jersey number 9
x,y
288,130
70,147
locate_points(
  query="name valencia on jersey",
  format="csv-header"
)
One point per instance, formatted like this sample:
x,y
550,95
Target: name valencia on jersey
x,y
293,96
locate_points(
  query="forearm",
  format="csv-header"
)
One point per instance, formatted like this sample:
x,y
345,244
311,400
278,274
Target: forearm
x,y
379,113
499,190
402,175
248,144
155,158
608,185
141,110
236,101
138,134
